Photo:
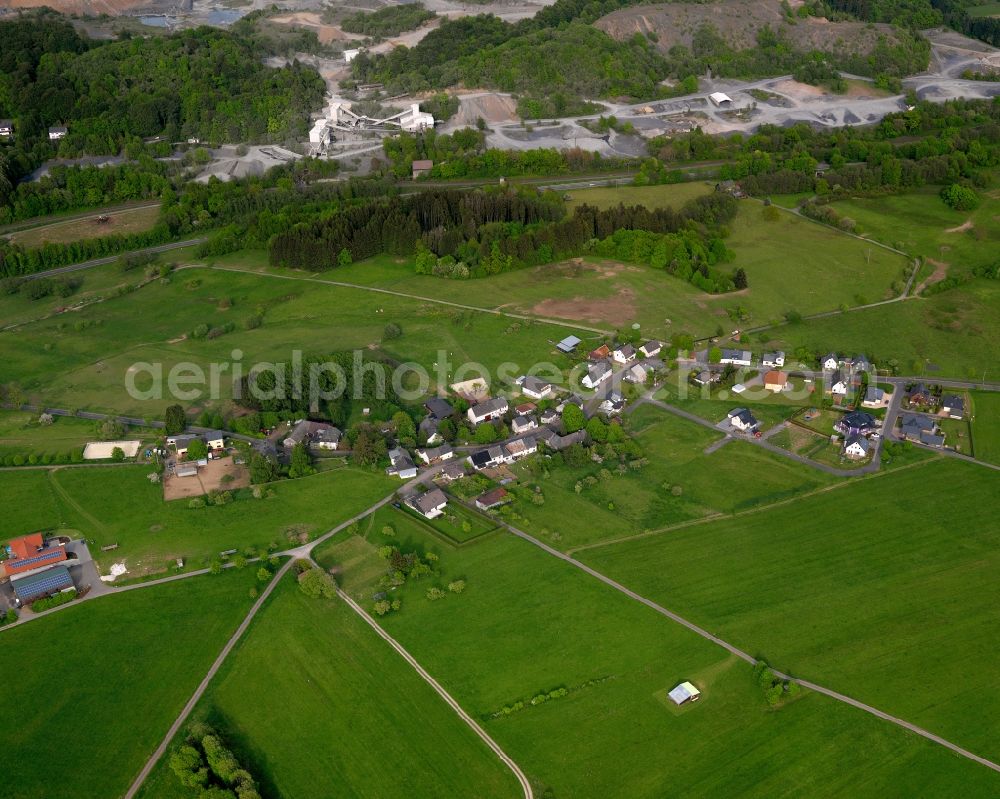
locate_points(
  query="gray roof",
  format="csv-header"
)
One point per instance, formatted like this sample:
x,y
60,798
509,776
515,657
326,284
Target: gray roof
x,y
454,469
59,129
598,369
430,500
916,422
535,384
568,344
932,439
860,441
625,349
953,401
439,408
874,394
490,406
747,418
857,420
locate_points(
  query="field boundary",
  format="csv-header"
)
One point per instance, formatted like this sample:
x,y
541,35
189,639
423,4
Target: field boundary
x,y
472,724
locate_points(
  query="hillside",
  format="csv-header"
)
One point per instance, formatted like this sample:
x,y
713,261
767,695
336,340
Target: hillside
x,y
738,22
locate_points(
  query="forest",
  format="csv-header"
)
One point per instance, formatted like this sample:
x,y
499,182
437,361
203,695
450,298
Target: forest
x,y
205,83
478,233
387,21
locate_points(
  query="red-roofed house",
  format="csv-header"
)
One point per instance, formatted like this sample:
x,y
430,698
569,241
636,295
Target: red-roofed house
x,y
30,552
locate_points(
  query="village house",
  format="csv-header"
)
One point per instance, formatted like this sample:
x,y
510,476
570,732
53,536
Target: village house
x,y
536,388
488,410
624,353
522,424
572,399
550,416
737,357
596,374
6,128
58,132
913,425
637,374
875,398
305,432
453,470
856,423
525,408
651,349
775,381
932,438
829,362
438,408
556,442
741,419
215,439
706,377
953,406
428,429
860,363
919,395
491,499
430,504
857,447
181,443
521,448
489,457
602,352
435,454
771,360
402,466
840,384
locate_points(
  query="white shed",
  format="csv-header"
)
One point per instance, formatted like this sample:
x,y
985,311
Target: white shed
x,y
685,692
720,99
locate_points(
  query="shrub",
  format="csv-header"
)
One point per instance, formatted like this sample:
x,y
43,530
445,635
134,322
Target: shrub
x,y
434,594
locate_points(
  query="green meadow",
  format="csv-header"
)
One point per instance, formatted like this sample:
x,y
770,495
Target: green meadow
x,y
319,706
94,687
884,589
121,506
680,483
21,434
528,623
986,425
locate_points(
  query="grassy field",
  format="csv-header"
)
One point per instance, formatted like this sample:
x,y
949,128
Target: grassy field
x,y
51,358
529,623
884,589
953,334
986,425
454,522
319,706
986,10
98,684
680,483
124,222
921,224
20,433
667,196
121,506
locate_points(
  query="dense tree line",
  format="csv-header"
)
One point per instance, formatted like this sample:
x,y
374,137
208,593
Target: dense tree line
x,y
388,21
15,260
205,83
393,225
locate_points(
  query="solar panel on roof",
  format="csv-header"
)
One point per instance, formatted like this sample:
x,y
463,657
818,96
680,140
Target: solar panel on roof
x,y
45,582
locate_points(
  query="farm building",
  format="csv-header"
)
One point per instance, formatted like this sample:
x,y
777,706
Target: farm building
x,y
30,553
721,99
186,470
568,344
685,692
41,584
103,450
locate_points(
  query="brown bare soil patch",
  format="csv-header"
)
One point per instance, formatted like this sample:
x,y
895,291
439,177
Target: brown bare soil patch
x,y
940,273
494,108
210,478
615,309
310,21
738,22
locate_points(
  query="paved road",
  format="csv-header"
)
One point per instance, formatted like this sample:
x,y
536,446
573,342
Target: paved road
x,y
747,657
173,245
507,760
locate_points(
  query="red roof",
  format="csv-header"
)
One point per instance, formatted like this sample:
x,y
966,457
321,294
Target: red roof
x,y
29,552
26,546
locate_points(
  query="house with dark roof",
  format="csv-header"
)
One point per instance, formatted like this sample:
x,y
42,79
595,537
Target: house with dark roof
x,y
453,470
572,399
651,348
402,466
305,432
491,499
856,423
624,353
772,360
742,419
430,504
737,357
550,416
829,362
38,584
932,439
857,447
438,408
428,428
521,447
919,395
953,405
522,424
913,425
875,397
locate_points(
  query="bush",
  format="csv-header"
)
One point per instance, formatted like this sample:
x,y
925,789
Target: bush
x,y
960,198
434,594
457,586
392,331
317,584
